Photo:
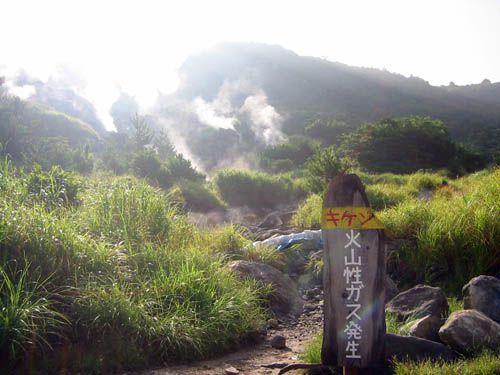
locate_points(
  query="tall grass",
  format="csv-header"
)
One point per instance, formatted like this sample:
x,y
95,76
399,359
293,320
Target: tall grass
x,y
456,235
485,364
141,285
27,315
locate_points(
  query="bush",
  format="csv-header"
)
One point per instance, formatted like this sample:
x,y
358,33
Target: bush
x,y
254,189
401,145
288,155
54,188
199,197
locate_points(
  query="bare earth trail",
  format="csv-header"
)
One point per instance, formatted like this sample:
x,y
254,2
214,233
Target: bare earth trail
x,y
250,359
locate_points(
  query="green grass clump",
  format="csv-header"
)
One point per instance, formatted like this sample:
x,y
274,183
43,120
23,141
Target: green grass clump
x,y
255,189
485,364
456,235
27,316
308,215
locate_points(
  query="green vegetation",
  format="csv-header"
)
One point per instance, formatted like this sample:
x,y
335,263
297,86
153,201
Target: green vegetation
x,y
485,364
459,224
408,144
289,155
442,233
119,281
256,190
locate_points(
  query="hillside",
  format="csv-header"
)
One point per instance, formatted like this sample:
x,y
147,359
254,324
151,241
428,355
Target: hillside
x,y
301,88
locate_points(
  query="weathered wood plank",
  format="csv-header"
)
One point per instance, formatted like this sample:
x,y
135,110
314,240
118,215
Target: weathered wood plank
x,y
353,278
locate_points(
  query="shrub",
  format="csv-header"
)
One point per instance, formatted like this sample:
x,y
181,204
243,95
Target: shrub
x,y
254,189
199,197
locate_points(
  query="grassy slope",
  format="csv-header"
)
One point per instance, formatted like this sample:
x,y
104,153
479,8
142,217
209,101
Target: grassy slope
x,y
51,123
120,280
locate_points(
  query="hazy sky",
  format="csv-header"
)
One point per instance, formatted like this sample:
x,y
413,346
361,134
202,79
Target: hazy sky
x,y
137,45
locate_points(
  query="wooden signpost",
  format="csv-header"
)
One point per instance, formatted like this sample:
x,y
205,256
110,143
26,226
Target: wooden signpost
x,y
353,281
354,278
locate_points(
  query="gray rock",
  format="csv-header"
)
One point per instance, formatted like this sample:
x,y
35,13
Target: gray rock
x,y
391,290
231,371
426,327
309,307
415,349
470,331
418,302
278,342
285,299
483,293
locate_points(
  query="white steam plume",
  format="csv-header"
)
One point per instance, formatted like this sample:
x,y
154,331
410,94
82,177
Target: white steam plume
x,y
240,98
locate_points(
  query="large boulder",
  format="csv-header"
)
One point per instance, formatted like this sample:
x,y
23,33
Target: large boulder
x,y
483,293
418,302
415,349
285,299
426,327
470,331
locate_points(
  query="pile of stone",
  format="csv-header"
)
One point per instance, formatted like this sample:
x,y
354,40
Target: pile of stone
x,y
468,331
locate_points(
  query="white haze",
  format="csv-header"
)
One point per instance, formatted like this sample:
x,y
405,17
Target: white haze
x,y
137,46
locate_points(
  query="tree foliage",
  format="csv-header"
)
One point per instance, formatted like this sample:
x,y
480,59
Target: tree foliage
x,y
401,145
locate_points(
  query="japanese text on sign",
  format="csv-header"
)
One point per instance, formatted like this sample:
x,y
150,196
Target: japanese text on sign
x,y
350,218
354,285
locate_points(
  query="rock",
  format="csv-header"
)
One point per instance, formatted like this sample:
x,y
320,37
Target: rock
x,y
309,307
391,290
470,331
482,293
313,293
231,371
273,324
415,349
271,221
418,302
426,327
285,299
278,342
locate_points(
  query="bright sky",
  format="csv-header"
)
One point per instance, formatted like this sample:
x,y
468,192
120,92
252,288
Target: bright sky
x,y
138,45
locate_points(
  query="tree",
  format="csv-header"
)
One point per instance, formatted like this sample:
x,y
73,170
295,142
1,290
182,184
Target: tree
x,y
122,111
401,145
143,134
164,147
327,131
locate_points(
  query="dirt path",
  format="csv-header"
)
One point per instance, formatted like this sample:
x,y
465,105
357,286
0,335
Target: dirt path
x,y
249,360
